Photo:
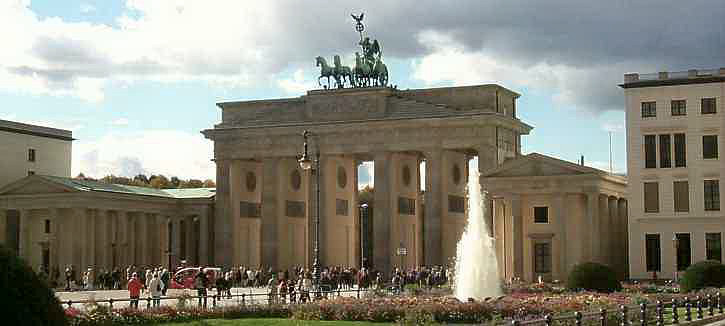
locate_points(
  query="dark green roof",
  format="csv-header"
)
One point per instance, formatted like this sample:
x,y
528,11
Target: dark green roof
x,y
88,185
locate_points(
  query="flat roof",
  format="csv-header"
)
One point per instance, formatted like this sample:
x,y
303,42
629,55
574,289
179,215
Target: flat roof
x,y
35,130
89,185
670,78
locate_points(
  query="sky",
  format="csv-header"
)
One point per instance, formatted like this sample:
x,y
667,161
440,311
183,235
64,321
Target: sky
x,y
137,80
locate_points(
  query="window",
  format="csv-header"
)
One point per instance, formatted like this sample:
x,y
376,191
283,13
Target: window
x,y
406,206
713,246
652,251
31,155
650,151
680,151
708,105
47,226
679,107
712,195
684,258
665,152
541,214
649,109
31,172
651,197
682,196
542,258
709,146
456,204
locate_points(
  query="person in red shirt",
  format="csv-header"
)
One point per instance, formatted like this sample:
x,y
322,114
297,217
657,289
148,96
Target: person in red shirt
x,y
134,290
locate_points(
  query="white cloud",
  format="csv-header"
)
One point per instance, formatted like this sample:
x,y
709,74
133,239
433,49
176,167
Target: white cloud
x,y
298,84
122,122
87,8
152,152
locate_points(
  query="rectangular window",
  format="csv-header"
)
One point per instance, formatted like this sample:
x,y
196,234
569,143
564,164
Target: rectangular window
x,y
649,109
47,226
295,208
250,209
651,197
682,196
406,206
665,152
456,204
31,155
709,146
713,246
541,214
542,258
342,207
679,107
650,151
652,252
680,151
712,195
708,105
684,257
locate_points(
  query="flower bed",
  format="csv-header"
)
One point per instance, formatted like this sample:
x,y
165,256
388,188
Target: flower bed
x,y
521,302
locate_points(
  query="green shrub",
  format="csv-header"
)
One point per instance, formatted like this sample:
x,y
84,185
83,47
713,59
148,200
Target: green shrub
x,y
593,277
708,273
26,299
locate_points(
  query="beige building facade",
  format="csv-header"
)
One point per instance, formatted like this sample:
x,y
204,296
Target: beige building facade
x,y
549,215
55,222
674,125
266,207
28,149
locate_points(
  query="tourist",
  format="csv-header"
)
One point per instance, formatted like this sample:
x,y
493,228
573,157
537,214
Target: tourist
x,y
155,287
134,290
200,283
272,289
165,278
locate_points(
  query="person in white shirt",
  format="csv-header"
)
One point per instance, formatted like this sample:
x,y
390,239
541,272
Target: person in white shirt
x,y
155,287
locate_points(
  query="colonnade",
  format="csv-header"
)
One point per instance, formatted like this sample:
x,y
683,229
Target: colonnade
x,y
269,205
105,239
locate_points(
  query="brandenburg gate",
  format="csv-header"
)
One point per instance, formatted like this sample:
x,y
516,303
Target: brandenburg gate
x,y
265,203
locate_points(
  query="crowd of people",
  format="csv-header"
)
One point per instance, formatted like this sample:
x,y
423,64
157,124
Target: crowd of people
x,y
292,285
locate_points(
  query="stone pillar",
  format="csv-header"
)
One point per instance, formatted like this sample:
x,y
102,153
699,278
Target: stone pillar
x,y
613,234
132,238
223,220
176,240
603,229
487,160
55,220
356,215
79,240
190,240
624,238
593,226
382,211
143,235
517,228
270,197
561,221
433,246
90,228
204,238
122,245
24,234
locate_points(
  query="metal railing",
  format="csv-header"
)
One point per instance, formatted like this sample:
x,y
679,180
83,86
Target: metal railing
x,y
242,299
637,315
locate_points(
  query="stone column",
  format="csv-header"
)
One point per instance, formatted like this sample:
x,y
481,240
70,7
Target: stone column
x,y
270,198
204,238
122,245
487,160
90,228
613,234
603,229
593,226
433,226
132,238
382,212
356,214
80,239
517,228
143,236
24,234
190,240
624,238
176,240
55,242
561,221
223,220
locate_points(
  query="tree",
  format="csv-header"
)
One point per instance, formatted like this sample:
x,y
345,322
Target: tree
x,y
208,183
193,183
366,195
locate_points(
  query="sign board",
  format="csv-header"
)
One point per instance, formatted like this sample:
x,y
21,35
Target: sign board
x,y
402,251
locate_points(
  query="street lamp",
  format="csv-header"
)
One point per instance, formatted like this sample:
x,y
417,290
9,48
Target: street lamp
x,y
314,167
363,223
675,245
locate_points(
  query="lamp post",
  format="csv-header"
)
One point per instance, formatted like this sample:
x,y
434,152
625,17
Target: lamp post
x,y
363,222
314,167
675,245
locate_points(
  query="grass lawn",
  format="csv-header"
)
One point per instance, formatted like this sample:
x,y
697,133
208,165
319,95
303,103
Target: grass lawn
x,y
272,321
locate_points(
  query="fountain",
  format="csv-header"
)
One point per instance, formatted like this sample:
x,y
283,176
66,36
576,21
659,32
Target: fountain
x,y
476,266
